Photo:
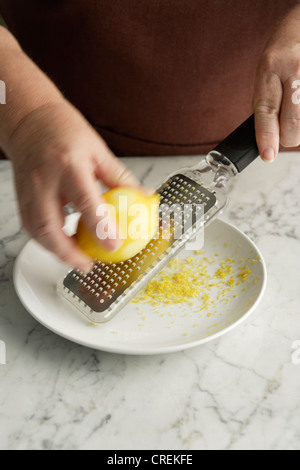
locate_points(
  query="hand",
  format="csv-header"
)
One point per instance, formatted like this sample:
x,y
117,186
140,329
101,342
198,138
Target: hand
x,y
58,158
277,114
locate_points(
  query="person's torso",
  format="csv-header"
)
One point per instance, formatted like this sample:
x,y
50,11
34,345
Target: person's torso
x,y
155,77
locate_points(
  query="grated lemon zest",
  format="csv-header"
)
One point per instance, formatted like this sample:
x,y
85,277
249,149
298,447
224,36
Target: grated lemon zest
x,y
185,281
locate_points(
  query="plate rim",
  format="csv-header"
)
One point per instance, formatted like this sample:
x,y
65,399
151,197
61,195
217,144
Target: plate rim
x,y
147,351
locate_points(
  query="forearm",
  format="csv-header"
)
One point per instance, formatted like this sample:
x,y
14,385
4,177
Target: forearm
x,y
27,87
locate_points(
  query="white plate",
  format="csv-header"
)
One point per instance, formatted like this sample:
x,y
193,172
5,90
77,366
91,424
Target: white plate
x,y
143,328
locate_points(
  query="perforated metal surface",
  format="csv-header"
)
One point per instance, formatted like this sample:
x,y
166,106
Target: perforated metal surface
x,y
100,294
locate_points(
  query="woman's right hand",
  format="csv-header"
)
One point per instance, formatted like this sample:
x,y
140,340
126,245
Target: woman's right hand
x,y
58,158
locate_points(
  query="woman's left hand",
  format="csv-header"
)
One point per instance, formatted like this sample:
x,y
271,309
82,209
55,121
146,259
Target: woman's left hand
x,y
276,102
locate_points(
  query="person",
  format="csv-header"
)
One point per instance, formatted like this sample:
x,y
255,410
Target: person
x,y
88,82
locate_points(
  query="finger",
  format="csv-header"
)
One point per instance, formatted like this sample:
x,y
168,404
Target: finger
x,y
83,190
113,173
45,221
266,103
290,116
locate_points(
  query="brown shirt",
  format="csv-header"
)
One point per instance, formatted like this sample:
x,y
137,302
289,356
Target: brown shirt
x,y
155,77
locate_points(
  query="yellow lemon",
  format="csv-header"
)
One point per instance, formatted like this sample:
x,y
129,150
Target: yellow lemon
x,y
137,220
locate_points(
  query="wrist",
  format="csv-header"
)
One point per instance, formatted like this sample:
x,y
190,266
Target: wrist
x,y
33,124
28,89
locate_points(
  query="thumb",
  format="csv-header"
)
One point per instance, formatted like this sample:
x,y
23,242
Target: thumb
x,y
266,104
112,172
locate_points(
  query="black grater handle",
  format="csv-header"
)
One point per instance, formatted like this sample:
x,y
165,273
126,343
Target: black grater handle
x,y
240,147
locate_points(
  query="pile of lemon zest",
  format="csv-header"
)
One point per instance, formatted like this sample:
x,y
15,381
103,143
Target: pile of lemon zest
x,y
224,270
231,282
244,273
173,263
185,281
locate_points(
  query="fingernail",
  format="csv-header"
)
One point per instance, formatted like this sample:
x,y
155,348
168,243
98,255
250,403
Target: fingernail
x,y
85,268
147,191
111,240
112,244
107,233
150,191
268,155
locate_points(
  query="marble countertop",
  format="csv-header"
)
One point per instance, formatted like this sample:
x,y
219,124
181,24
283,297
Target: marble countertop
x,y
241,391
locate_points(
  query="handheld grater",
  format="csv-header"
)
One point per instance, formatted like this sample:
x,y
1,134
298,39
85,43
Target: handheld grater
x,y
190,200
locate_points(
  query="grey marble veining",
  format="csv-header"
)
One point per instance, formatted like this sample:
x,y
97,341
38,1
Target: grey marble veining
x,y
239,392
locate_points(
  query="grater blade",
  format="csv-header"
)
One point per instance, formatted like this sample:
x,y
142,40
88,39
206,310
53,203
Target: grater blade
x,y
107,288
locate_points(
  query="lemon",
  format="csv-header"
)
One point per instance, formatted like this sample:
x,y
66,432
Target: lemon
x,y
137,220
